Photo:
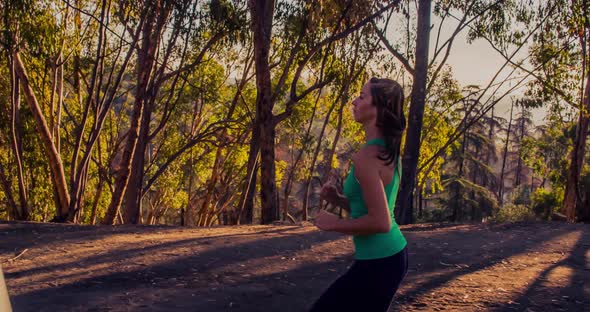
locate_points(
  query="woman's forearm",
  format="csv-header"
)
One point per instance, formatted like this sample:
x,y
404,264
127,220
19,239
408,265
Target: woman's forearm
x,y
343,202
365,225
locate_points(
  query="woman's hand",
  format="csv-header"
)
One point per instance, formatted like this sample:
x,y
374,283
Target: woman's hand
x,y
329,193
326,221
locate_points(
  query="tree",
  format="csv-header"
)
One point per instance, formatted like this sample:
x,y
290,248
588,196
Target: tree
x,y
483,15
262,15
403,209
222,21
566,77
156,14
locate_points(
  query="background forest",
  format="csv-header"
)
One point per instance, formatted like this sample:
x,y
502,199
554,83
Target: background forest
x,y
235,112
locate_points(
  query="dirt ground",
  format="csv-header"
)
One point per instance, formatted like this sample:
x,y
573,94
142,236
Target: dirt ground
x,y
466,267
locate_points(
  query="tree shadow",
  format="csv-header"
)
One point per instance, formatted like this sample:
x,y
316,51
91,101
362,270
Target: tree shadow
x,y
213,279
458,264
289,291
21,234
573,297
426,227
201,263
130,253
18,236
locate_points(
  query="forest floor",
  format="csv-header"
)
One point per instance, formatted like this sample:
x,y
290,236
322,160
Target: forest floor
x,y
453,267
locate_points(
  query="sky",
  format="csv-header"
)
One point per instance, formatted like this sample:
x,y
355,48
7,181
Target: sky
x,y
474,63
477,63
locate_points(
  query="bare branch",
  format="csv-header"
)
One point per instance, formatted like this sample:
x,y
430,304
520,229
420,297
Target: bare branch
x,y
392,50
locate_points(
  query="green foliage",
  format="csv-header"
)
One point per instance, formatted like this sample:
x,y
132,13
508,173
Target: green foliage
x,y
439,118
466,200
513,213
545,202
36,24
280,168
547,151
439,214
203,96
521,195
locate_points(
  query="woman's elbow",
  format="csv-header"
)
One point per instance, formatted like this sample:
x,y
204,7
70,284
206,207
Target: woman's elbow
x,y
384,227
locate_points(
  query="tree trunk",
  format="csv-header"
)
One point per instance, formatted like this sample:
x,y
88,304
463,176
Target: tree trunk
x,y
78,169
262,13
268,191
403,210
211,183
290,177
12,210
222,141
316,153
153,81
97,195
518,178
76,200
145,63
457,212
60,98
332,150
501,182
23,213
57,171
572,191
188,212
584,206
474,174
249,189
420,202
134,192
491,136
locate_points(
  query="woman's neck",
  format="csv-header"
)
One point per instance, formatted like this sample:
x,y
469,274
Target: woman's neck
x,y
372,133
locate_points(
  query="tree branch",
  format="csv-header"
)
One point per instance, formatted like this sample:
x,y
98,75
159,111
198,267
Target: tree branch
x,y
392,50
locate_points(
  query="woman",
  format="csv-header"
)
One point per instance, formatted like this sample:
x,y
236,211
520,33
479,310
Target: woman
x,y
370,190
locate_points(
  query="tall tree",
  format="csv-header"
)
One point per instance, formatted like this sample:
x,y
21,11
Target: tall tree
x,y
157,12
566,77
262,14
505,154
404,209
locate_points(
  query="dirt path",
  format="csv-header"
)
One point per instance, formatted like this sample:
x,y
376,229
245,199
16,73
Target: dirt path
x,y
510,267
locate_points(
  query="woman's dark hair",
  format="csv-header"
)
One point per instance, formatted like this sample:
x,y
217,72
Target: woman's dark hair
x,y
388,97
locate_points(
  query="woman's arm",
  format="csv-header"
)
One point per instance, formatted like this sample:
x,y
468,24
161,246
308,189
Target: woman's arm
x,y
364,225
342,202
377,220
331,194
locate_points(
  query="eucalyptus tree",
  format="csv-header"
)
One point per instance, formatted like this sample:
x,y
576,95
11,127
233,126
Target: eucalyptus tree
x,y
315,26
187,34
559,58
573,28
16,40
474,17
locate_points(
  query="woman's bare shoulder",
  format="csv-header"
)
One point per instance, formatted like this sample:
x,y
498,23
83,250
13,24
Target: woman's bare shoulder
x,y
366,156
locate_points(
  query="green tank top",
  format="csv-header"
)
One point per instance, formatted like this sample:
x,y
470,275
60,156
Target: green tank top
x,y
380,245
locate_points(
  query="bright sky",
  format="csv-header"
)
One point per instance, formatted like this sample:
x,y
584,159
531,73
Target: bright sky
x,y
474,63
477,63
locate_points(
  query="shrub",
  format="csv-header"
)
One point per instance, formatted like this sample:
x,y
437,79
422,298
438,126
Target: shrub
x,y
513,213
545,202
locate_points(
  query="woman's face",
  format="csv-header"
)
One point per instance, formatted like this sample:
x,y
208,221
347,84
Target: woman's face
x,y
363,109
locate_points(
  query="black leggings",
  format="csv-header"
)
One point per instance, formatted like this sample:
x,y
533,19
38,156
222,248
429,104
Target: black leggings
x,y
369,285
